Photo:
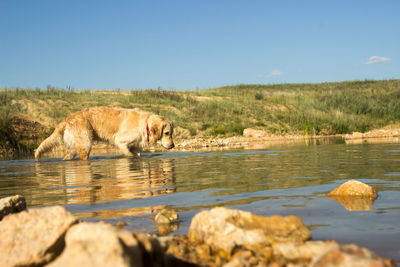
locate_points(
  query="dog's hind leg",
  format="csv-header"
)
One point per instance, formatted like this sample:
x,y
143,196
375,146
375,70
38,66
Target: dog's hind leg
x,y
69,145
83,145
78,141
84,153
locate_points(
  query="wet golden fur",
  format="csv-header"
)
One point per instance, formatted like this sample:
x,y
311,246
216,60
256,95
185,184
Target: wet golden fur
x,y
125,128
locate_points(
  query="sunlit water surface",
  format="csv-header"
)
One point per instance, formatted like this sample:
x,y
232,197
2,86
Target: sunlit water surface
x,y
283,180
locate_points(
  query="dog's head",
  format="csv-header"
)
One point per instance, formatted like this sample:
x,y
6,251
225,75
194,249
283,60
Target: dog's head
x,y
161,129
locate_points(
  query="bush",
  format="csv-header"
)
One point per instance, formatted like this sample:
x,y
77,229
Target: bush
x,y
259,96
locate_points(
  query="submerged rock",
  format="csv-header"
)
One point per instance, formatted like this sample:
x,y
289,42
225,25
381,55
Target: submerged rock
x,y
99,244
33,237
166,216
354,188
166,229
224,229
11,205
121,224
166,220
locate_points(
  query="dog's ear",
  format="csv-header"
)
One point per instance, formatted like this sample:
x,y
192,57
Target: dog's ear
x,y
156,130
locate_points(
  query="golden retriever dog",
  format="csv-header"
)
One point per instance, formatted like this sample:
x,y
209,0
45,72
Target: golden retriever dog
x,y
129,129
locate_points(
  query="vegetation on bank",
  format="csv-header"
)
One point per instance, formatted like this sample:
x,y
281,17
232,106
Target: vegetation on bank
x,y
308,109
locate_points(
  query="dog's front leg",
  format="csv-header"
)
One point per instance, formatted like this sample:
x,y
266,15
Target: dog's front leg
x,y
125,150
122,143
128,150
127,146
135,151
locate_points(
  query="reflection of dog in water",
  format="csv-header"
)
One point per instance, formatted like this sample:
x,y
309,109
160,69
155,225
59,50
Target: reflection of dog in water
x,y
92,182
129,129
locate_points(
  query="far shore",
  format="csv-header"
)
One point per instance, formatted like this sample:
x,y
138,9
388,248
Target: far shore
x,y
237,142
218,117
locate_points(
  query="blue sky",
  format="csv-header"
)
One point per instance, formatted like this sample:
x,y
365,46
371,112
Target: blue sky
x,y
192,44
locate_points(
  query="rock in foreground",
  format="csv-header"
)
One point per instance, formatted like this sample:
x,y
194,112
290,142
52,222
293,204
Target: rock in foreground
x,y
99,244
11,205
33,237
224,229
219,237
309,253
349,256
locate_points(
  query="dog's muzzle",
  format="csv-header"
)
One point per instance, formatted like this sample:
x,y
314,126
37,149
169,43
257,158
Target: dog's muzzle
x,y
171,146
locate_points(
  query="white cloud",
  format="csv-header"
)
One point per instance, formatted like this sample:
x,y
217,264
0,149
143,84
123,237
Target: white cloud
x,y
376,59
271,74
275,73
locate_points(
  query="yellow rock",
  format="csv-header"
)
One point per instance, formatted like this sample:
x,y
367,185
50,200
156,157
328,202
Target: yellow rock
x,y
354,195
354,188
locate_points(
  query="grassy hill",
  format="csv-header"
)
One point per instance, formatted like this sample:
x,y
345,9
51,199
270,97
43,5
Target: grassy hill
x,y
28,115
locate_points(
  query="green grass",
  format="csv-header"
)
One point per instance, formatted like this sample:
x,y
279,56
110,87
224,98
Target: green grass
x,y
326,108
308,109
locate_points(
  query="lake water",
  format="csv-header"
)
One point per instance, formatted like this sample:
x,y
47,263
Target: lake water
x,y
282,179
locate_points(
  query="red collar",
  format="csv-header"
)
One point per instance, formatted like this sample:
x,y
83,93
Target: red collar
x,y
148,132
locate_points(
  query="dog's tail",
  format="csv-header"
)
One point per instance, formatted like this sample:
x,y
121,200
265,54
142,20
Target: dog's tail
x,y
54,139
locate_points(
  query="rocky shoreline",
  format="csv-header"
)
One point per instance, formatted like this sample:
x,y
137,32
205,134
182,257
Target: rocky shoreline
x,y
258,139
251,139
52,236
